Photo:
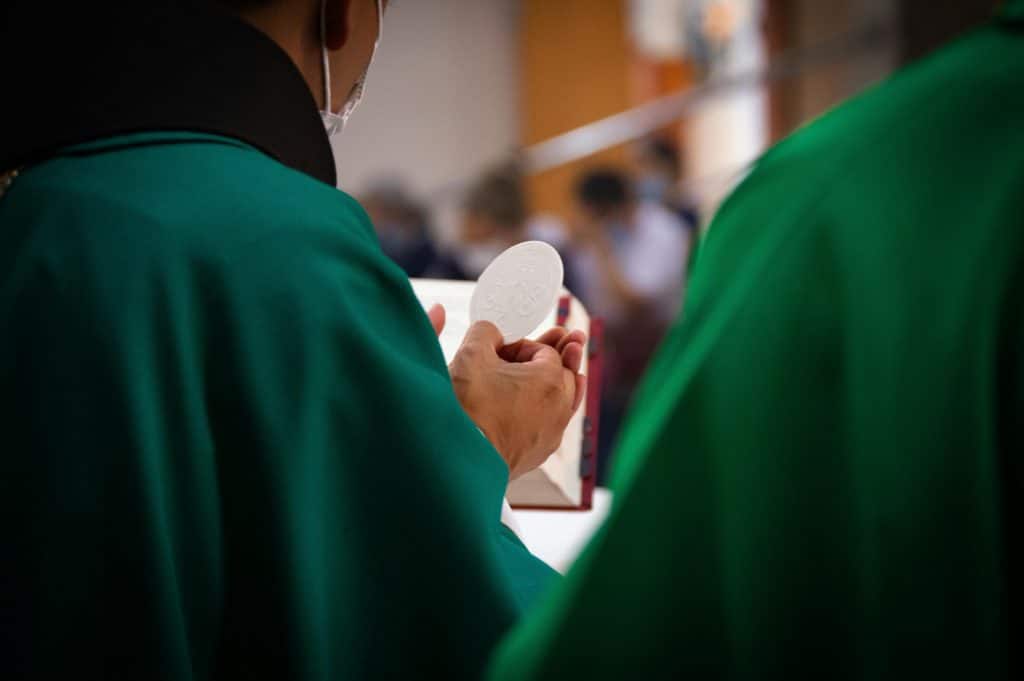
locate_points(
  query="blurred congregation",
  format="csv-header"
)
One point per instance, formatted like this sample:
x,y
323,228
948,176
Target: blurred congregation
x,y
615,142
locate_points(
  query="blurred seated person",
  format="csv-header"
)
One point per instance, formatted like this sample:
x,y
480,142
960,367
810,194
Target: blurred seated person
x,y
629,259
403,227
495,217
659,178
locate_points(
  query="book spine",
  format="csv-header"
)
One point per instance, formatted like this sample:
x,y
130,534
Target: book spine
x,y
592,420
564,306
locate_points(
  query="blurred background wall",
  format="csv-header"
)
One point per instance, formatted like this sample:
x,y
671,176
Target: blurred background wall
x,y
576,62
442,100
460,85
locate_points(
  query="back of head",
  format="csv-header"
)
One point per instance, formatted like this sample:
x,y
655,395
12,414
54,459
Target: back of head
x,y
662,154
603,191
242,5
390,204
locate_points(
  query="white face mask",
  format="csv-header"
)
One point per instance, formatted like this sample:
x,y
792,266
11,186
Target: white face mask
x,y
474,258
335,123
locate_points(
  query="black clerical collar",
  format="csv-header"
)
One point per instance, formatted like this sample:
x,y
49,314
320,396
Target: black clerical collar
x,y
151,65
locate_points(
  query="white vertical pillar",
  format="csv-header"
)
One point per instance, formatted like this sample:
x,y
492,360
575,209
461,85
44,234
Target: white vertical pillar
x,y
727,132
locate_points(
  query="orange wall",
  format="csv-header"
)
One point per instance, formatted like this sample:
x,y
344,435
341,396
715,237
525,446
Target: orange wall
x,y
576,62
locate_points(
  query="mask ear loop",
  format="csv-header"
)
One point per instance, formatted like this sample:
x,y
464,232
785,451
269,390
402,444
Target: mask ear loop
x,y
359,87
359,90
380,25
327,62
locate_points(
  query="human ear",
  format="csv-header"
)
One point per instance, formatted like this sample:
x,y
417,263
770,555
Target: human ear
x,y
337,27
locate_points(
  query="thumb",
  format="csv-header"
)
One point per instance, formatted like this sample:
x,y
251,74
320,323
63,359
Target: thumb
x,y
545,354
484,334
437,316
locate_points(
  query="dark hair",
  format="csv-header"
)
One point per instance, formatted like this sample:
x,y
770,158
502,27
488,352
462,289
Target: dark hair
x,y
241,5
604,190
391,194
499,195
664,152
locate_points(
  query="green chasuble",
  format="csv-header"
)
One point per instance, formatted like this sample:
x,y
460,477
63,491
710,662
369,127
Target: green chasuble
x,y
230,446
821,477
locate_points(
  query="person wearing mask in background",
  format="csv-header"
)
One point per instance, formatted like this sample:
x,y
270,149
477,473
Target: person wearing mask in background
x,y
230,446
494,217
403,227
822,474
659,175
629,258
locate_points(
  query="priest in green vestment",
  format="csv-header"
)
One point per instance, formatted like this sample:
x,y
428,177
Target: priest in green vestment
x,y
229,444
822,476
